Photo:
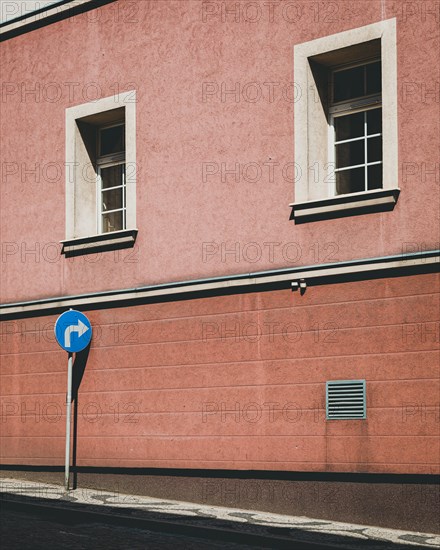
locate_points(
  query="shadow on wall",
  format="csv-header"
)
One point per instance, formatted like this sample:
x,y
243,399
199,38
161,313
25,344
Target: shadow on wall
x,y
79,367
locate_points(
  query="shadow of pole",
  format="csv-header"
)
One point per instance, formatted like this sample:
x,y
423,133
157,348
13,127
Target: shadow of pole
x,y
79,367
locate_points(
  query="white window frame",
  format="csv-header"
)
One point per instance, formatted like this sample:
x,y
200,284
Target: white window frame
x,y
314,197
99,197
107,161
332,149
81,200
344,108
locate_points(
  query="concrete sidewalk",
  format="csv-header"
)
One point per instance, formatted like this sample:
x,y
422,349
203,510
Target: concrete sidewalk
x,y
281,529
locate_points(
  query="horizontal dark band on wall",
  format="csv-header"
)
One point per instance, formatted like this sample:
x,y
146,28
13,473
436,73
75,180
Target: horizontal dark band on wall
x,y
349,477
348,271
52,13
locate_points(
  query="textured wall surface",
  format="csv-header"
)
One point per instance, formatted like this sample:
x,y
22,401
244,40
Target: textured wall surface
x,y
183,57
236,382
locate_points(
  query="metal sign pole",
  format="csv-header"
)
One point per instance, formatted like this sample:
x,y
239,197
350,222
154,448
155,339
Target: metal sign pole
x,y
68,419
73,332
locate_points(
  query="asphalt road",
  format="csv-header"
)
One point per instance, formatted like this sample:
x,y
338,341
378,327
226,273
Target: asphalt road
x,y
20,530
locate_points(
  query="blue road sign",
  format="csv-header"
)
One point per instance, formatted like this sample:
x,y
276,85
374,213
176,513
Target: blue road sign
x,y
73,331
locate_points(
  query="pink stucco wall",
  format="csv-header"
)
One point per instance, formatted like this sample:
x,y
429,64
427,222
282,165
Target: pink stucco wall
x,y
167,50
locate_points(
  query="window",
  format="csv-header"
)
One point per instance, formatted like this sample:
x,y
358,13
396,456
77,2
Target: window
x,y
355,124
111,187
346,400
101,175
346,124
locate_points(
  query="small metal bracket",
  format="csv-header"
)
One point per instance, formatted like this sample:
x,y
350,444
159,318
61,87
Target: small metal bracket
x,y
300,284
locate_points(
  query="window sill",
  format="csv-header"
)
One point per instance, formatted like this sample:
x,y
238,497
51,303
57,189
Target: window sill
x,y
104,242
352,204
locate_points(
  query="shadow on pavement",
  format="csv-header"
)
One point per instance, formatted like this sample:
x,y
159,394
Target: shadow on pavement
x,y
68,512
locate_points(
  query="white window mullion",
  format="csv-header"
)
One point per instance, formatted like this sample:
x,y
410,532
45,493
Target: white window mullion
x,y
112,188
124,211
365,149
350,167
355,139
111,211
99,201
331,168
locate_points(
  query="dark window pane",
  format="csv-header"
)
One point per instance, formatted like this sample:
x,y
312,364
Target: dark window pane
x,y
112,200
375,176
374,121
350,154
112,222
112,140
349,126
348,84
350,181
374,84
374,149
112,176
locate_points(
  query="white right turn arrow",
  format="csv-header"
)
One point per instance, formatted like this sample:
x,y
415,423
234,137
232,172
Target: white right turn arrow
x,y
80,328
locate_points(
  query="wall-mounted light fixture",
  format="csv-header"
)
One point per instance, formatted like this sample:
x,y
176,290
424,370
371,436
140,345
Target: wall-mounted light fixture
x,y
301,285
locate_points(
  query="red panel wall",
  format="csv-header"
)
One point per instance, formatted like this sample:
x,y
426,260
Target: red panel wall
x,y
236,382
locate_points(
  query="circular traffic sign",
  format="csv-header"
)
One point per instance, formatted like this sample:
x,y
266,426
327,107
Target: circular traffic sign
x,y
73,331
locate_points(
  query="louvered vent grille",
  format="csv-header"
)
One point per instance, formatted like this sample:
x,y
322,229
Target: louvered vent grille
x,y
345,399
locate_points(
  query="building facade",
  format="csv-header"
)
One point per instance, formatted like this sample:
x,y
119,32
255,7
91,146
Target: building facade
x,y
243,198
